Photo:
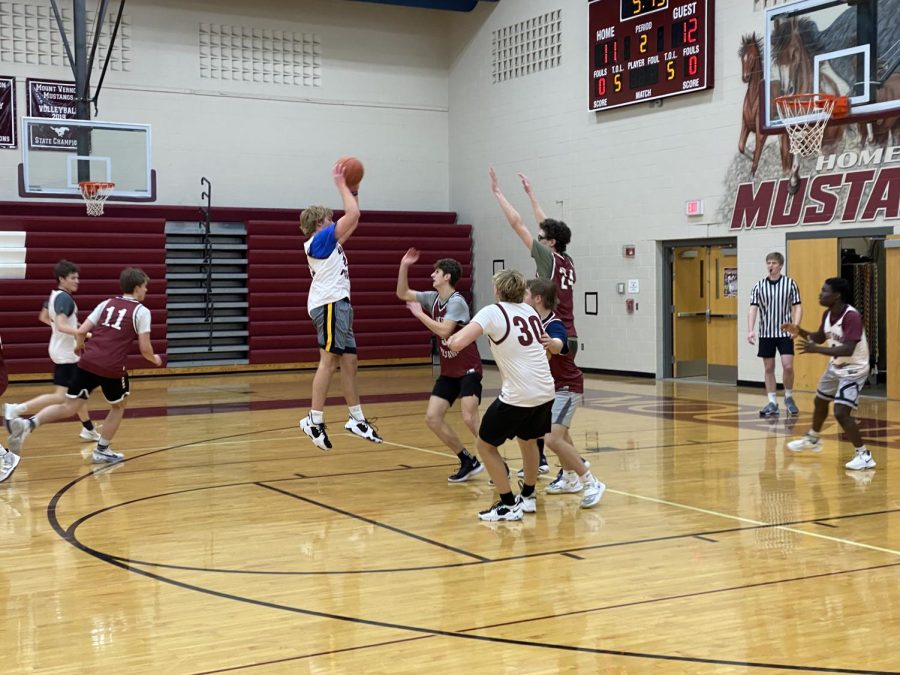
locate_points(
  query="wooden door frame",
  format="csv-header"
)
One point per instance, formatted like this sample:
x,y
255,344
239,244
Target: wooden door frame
x,y
665,366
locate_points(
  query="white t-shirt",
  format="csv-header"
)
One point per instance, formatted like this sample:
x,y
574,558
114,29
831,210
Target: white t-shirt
x,y
514,331
62,345
328,267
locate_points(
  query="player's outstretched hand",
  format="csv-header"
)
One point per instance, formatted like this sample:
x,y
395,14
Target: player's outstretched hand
x,y
411,257
791,328
526,184
337,173
495,187
415,309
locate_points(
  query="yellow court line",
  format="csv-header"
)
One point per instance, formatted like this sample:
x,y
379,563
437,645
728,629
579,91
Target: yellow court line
x,y
750,521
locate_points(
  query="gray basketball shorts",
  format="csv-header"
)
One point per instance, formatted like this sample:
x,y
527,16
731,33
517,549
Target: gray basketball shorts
x,y
334,326
564,404
842,389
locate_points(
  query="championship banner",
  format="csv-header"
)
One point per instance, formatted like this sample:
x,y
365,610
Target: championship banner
x,y
8,112
54,99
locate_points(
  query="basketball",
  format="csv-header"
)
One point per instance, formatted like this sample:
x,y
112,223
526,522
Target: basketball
x,y
353,171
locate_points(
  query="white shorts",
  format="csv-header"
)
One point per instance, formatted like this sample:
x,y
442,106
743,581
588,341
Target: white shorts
x,y
842,389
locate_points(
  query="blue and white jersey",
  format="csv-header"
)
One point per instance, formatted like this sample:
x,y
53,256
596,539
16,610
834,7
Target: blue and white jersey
x,y
328,267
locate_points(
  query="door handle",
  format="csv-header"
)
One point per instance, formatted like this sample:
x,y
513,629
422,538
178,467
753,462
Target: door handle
x,y
687,315
723,316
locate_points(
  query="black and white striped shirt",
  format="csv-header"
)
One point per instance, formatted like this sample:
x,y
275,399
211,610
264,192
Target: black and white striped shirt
x,y
775,300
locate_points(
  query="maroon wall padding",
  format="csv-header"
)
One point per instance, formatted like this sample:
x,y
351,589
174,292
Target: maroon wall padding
x,y
280,328
278,275
102,248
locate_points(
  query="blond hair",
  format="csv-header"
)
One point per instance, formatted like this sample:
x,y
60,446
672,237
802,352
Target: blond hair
x,y
312,216
510,285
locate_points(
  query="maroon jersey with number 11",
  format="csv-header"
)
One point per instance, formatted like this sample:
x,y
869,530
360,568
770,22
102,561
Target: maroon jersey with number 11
x,y
113,334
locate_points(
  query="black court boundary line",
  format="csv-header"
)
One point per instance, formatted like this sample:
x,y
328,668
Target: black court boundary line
x,y
484,638
615,544
376,523
302,657
69,536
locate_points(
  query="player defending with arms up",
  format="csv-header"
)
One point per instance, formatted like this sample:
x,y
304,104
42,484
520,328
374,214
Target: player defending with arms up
x,y
842,329
329,307
523,408
575,475
114,324
444,312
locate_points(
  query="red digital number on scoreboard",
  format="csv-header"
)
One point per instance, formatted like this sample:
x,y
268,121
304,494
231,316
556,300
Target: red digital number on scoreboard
x,y
642,50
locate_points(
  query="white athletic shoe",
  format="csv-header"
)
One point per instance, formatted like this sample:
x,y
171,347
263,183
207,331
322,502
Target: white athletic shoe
x,y
316,433
363,429
8,464
566,482
528,504
592,494
501,511
805,443
90,434
18,430
106,456
862,460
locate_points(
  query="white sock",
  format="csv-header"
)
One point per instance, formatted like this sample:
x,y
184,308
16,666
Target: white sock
x,y
103,443
862,450
789,393
772,398
18,408
587,477
813,434
357,413
317,416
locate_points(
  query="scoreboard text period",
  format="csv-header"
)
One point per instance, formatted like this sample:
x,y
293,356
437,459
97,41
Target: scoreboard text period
x,y
641,50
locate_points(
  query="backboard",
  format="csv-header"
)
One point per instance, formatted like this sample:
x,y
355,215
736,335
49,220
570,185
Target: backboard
x,y
59,153
845,47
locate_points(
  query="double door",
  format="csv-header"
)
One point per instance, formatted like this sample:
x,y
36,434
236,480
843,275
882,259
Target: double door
x,y
704,312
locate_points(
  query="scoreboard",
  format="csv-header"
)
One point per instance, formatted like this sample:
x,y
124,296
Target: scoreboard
x,y
642,50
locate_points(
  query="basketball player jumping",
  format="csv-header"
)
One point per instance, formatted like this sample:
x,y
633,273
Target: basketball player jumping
x,y
329,307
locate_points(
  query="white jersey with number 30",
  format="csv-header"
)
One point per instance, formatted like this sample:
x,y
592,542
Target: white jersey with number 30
x,y
514,331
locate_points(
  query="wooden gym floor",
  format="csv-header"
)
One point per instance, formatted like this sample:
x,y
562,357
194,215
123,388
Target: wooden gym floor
x,y
228,543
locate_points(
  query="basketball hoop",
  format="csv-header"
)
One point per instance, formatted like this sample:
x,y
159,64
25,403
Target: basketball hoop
x,y
805,117
95,194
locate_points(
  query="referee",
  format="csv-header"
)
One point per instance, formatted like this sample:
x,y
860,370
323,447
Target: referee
x,y
774,299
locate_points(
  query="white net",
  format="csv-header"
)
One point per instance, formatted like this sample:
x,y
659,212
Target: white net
x,y
805,118
95,195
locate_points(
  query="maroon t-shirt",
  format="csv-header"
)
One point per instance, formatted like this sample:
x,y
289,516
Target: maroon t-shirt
x,y
107,350
454,364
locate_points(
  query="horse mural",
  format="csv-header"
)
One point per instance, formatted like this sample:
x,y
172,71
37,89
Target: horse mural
x,y
751,74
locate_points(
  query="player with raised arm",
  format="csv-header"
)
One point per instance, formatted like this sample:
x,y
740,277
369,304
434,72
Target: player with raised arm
x,y
575,474
842,329
114,324
61,314
329,307
444,311
522,410
548,250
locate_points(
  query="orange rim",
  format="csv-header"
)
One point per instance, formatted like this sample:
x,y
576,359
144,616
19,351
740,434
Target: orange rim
x,y
92,187
801,103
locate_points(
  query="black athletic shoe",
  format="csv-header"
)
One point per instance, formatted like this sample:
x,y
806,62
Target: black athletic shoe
x,y
467,469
